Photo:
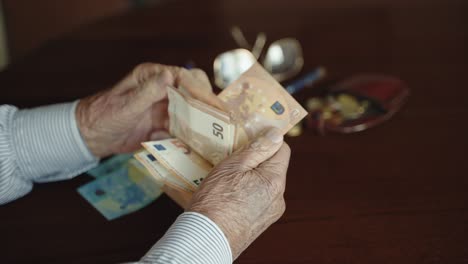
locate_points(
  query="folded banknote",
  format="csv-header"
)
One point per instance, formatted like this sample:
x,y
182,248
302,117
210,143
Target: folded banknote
x,y
204,135
206,129
180,161
121,192
160,173
256,101
112,164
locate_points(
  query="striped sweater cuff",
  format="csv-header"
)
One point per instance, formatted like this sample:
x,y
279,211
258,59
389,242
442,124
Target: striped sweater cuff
x,y
48,144
193,238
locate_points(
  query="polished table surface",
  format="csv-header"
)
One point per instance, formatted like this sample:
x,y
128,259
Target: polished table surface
x,y
397,193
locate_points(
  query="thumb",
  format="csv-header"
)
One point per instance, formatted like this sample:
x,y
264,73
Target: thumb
x,y
276,167
259,150
151,91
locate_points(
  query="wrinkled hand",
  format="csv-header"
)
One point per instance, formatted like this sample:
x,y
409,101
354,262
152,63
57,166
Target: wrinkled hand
x,y
135,110
243,194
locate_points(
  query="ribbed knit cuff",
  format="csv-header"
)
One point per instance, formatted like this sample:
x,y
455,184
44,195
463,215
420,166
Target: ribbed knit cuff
x,y
48,143
193,238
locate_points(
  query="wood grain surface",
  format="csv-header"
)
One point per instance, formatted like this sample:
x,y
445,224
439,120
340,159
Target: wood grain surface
x,y
397,193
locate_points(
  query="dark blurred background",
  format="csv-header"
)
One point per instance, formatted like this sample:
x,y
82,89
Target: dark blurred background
x,y
25,25
28,24
392,194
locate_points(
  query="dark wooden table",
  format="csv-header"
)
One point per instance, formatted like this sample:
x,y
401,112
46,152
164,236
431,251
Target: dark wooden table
x,y
397,193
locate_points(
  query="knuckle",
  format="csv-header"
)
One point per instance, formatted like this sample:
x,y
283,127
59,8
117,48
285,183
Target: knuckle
x,y
287,148
184,77
275,181
248,158
281,208
277,186
142,71
243,162
278,210
184,72
143,67
198,72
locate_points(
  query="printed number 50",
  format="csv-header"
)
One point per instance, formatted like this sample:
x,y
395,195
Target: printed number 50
x,y
218,130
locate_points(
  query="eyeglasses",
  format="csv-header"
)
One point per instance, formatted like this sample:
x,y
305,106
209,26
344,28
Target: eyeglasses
x,y
283,58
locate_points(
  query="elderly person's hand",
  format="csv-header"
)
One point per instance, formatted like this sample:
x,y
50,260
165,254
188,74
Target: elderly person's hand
x,y
243,194
135,110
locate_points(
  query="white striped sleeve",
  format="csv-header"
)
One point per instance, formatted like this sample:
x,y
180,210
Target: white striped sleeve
x,y
193,238
44,144
39,145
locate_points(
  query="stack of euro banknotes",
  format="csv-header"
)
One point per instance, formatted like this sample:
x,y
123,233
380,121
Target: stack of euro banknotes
x,y
202,135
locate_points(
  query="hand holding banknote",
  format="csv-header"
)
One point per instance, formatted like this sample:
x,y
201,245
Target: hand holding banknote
x,y
204,135
219,157
243,194
135,110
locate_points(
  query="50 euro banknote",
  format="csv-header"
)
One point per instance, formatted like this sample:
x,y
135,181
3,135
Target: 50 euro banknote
x,y
184,164
175,189
255,102
251,104
204,135
159,172
207,130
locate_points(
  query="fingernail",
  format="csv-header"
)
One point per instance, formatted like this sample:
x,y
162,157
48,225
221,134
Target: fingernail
x,y
274,135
